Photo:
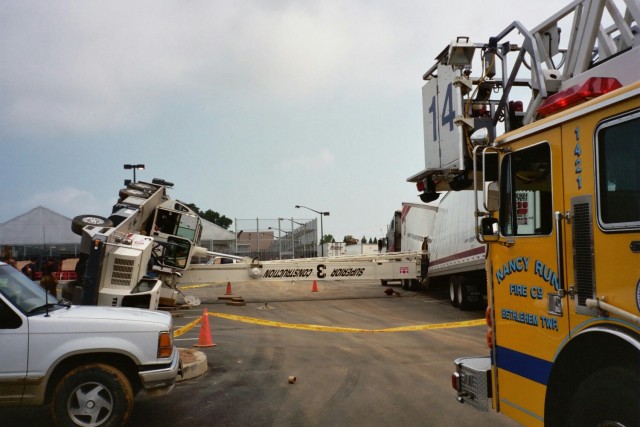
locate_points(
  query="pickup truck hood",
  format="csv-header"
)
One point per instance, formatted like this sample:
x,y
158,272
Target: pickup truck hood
x,y
100,319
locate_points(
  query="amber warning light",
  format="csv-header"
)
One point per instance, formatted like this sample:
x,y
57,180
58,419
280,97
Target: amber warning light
x,y
592,88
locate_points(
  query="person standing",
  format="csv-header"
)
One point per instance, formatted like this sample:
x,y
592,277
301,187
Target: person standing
x,y
48,281
29,269
8,258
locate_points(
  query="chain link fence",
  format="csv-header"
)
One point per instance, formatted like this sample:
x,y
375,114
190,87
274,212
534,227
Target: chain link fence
x,y
280,238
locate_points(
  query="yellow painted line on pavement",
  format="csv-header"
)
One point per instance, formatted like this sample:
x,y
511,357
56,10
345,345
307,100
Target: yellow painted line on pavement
x,y
320,328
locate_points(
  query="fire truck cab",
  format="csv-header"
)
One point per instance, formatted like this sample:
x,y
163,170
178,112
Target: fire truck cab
x,y
560,174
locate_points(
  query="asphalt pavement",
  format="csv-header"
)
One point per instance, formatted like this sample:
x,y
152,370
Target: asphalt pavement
x,y
293,357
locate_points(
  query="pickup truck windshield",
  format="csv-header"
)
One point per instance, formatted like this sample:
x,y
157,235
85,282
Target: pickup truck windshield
x,y
21,291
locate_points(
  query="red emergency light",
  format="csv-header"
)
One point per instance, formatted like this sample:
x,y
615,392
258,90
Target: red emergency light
x,y
592,88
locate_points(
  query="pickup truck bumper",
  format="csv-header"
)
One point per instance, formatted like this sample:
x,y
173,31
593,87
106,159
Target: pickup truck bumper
x,y
159,382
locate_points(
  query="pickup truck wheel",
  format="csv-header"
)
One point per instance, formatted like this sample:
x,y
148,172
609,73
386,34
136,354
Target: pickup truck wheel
x,y
79,222
92,395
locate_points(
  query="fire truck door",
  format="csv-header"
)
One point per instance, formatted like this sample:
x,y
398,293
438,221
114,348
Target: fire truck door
x,y
603,194
530,316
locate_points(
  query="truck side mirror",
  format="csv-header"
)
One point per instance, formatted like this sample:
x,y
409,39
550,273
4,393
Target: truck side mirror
x,y
489,229
492,197
480,137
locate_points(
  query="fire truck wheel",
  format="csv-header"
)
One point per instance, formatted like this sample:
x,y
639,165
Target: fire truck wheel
x,y
79,222
406,284
453,291
383,282
608,397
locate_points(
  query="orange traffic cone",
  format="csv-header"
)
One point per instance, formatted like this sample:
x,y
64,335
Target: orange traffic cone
x,y
315,287
204,340
228,289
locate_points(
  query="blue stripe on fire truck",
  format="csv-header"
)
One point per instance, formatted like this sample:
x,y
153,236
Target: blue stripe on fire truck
x,y
525,365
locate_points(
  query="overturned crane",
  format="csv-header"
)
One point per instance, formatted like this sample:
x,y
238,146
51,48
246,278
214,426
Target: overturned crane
x,y
141,254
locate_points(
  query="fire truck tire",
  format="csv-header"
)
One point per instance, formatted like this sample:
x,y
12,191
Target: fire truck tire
x,y
609,396
94,394
406,284
79,222
383,282
453,291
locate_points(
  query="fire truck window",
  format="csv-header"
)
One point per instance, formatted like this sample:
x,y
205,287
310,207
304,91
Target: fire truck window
x,y
525,204
618,145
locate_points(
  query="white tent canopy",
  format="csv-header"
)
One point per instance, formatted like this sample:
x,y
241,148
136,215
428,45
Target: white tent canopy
x,y
39,226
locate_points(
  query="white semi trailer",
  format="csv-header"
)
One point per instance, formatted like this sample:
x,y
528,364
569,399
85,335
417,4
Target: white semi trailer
x,y
456,258
445,230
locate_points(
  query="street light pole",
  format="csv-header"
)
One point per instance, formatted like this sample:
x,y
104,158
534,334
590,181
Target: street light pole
x,y
134,167
279,239
321,228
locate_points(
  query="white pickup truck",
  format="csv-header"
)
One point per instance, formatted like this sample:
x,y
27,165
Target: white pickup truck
x,y
87,362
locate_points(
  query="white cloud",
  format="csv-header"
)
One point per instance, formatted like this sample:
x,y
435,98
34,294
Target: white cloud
x,y
312,162
90,67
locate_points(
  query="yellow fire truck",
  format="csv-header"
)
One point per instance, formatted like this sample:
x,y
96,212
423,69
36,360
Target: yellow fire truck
x,y
561,212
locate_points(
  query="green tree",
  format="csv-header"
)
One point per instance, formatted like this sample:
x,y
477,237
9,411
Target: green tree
x,y
212,216
363,240
327,238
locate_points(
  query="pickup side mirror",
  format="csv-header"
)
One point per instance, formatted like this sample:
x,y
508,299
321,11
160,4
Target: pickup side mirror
x,y
489,229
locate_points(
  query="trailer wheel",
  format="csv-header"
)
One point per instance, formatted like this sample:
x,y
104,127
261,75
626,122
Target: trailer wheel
x,y
463,294
79,222
92,395
608,397
453,291
415,285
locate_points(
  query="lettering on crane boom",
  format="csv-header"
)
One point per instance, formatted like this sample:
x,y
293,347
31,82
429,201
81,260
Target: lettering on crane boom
x,y
320,272
339,272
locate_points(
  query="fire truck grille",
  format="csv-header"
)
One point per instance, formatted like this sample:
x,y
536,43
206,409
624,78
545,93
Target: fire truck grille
x,y
122,272
583,248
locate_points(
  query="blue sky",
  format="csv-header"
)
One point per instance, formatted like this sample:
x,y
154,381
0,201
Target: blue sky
x,y
249,107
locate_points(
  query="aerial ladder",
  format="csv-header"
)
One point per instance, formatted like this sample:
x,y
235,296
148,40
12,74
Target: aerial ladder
x,y
457,104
